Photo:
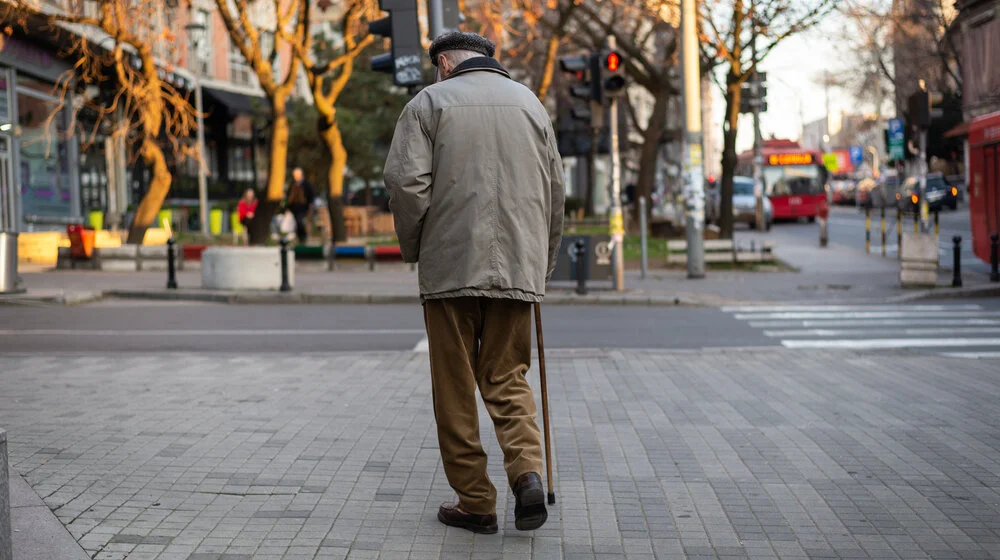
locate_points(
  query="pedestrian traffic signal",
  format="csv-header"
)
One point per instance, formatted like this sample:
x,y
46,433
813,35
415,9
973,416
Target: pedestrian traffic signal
x,y
924,106
612,73
401,27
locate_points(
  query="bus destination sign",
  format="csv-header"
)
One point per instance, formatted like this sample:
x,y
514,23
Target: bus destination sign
x,y
790,159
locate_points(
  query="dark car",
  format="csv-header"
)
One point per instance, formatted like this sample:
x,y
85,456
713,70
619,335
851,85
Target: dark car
x,y
940,194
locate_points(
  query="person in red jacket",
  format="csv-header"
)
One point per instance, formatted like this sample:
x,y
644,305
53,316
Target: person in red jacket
x,y
246,208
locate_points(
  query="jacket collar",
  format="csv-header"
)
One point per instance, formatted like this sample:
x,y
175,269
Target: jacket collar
x,y
480,64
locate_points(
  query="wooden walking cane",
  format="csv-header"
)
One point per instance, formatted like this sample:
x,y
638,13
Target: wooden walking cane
x,y
545,402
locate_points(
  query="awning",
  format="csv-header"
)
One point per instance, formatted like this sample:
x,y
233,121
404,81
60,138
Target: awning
x,y
236,103
960,130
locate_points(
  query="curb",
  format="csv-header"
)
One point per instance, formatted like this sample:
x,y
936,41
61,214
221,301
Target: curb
x,y
950,293
294,298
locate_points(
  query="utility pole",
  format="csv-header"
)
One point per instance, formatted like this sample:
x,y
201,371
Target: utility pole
x,y
617,221
758,141
435,18
694,185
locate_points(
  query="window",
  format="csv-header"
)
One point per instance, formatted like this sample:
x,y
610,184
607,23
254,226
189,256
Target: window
x,y
239,71
202,54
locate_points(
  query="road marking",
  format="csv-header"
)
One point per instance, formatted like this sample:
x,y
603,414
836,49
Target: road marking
x,y
971,355
871,323
815,308
205,332
886,343
866,315
422,346
870,332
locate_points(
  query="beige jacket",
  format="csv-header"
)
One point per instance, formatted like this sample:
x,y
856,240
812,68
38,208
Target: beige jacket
x,y
476,186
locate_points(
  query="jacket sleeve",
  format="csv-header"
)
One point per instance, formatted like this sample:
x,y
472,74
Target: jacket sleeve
x,y
558,202
408,170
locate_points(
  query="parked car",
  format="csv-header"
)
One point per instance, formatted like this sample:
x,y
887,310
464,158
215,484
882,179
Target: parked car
x,y
745,204
939,194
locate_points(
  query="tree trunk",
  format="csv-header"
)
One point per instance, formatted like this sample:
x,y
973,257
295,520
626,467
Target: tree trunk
x,y
152,201
650,150
551,50
729,156
338,162
260,225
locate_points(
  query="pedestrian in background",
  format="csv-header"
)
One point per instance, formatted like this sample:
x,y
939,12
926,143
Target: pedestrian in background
x,y
299,201
476,193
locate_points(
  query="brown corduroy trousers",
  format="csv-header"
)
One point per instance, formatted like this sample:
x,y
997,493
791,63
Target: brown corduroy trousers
x,y
485,343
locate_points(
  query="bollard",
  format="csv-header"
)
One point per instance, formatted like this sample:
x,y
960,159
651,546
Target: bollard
x,y
899,233
643,236
285,286
956,279
868,230
937,225
580,252
331,257
994,257
883,232
916,222
171,269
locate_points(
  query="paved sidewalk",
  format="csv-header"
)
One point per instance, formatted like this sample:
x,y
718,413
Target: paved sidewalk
x,y
836,274
722,454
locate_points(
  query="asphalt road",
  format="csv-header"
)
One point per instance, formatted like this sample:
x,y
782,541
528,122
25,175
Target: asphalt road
x,y
132,326
948,327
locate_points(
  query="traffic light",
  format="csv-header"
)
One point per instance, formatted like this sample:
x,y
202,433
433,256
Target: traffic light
x,y
925,106
611,69
580,85
401,27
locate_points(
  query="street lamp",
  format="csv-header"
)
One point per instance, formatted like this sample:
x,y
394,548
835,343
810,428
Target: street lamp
x,y
196,36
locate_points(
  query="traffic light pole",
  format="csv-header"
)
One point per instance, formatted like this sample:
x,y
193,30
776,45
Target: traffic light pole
x,y
617,221
694,186
435,18
758,141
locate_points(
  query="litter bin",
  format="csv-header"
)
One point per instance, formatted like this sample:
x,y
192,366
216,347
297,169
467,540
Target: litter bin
x,y
8,263
81,241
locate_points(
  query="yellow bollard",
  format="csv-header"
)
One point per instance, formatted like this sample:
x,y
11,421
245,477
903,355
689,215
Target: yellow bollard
x,y
883,232
916,222
868,230
937,226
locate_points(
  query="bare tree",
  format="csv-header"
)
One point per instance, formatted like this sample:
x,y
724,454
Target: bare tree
x,y
726,31
140,104
249,34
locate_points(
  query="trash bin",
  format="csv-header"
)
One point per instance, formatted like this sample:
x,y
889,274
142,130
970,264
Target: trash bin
x,y
215,216
8,263
81,241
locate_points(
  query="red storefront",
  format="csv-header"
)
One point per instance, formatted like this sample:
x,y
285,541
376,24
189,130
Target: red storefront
x,y
984,181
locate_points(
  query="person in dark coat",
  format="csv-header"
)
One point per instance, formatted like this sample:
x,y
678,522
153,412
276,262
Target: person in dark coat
x,y
299,200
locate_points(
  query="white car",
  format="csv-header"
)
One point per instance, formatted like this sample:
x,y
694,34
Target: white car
x,y
745,204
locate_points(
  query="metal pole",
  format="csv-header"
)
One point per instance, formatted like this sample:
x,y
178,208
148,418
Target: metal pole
x,y
617,222
545,402
937,224
758,141
956,280
171,269
202,173
868,230
643,238
694,186
435,18
285,285
924,207
995,257
899,233
580,254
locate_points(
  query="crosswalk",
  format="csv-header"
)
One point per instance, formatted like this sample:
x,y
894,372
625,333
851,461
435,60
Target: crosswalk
x,y
954,330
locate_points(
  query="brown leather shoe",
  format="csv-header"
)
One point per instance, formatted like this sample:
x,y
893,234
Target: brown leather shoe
x,y
529,508
450,515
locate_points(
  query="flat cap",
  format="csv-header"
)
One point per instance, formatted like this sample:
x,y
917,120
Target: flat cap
x,y
461,41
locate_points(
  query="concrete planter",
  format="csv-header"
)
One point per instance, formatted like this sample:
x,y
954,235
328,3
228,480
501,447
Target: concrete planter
x,y
919,260
244,268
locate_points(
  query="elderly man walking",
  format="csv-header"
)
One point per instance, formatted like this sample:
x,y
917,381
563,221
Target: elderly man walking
x,y
476,191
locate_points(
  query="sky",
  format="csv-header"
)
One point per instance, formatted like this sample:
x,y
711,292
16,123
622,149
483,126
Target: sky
x,y
794,89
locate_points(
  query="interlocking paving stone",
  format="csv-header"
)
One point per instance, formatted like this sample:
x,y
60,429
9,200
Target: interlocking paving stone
x,y
755,454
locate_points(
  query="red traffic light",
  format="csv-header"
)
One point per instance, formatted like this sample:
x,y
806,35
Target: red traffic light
x,y
613,61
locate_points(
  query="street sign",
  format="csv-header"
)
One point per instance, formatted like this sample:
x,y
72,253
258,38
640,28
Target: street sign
x,y
830,161
896,139
857,156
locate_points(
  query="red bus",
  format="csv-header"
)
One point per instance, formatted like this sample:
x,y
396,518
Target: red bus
x,y
794,179
984,182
